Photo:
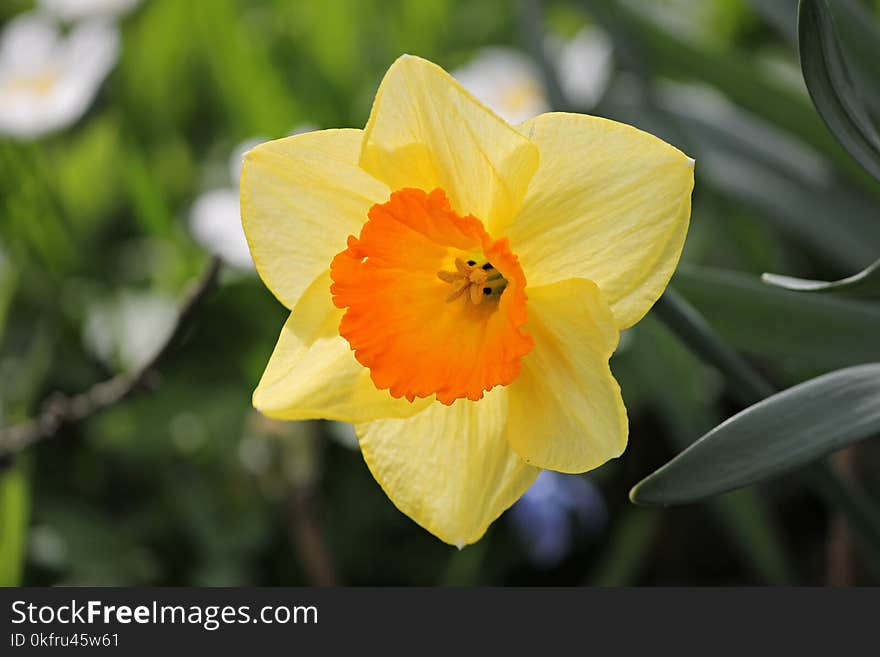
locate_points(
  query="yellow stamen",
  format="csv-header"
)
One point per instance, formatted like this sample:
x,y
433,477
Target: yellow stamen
x,y
458,291
479,281
447,276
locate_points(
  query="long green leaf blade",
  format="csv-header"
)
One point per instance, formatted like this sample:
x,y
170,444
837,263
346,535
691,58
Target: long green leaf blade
x,y
828,82
776,435
865,284
13,525
859,36
792,330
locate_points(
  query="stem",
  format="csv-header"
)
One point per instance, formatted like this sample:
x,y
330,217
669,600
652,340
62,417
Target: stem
x,y
862,514
689,326
308,533
860,511
840,567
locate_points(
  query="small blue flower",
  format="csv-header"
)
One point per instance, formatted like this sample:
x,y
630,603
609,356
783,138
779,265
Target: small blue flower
x,y
554,513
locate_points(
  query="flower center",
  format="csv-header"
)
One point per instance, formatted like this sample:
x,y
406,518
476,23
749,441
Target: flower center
x,y
434,306
521,94
474,281
37,84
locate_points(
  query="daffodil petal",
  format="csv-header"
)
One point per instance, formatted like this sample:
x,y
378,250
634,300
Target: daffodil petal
x,y
301,197
313,374
565,408
449,468
609,203
426,131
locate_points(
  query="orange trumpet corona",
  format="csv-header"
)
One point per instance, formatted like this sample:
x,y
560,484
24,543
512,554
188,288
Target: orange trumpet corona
x,y
434,305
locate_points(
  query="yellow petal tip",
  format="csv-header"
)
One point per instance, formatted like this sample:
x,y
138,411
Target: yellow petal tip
x,y
691,162
410,58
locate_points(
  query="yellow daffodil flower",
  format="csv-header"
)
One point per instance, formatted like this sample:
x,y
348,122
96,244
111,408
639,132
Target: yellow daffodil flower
x,y
457,286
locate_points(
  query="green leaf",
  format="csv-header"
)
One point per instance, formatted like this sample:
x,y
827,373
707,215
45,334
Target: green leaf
x,y
781,433
828,82
865,284
792,330
9,278
781,14
146,197
250,87
13,525
859,35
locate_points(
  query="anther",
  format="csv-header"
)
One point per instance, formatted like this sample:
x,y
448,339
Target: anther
x,y
457,292
473,281
447,276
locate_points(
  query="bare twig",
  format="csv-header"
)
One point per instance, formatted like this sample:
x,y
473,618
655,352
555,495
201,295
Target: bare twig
x,y
840,555
300,461
308,533
60,410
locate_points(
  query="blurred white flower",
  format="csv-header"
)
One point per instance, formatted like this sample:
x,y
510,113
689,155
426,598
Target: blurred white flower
x,y
215,223
70,10
215,217
47,80
584,65
509,82
128,330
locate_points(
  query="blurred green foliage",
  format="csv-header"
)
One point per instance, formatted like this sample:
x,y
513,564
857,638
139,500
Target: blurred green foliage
x,y
187,486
